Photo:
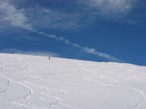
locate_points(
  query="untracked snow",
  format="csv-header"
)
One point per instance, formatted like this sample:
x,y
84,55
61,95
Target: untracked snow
x,y
35,82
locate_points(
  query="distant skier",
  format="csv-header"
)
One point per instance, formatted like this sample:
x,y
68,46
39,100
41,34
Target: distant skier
x,y
49,57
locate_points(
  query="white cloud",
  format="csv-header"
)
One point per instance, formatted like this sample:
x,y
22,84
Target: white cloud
x,y
59,19
84,49
76,45
100,54
12,15
18,15
17,18
54,19
111,8
67,42
90,50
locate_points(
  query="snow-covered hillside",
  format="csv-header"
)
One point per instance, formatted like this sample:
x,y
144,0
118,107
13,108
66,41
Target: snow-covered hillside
x,y
35,82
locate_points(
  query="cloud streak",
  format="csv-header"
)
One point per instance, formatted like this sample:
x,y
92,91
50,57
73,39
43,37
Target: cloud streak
x,y
110,8
14,16
17,18
88,50
54,18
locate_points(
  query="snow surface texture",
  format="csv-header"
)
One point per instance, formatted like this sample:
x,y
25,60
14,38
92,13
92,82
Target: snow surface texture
x,y
35,82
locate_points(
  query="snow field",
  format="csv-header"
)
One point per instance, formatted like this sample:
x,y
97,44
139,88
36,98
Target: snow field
x,y
34,82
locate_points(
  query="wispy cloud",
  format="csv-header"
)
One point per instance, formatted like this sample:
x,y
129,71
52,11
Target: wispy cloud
x,y
12,15
17,18
50,18
46,17
100,54
110,8
55,19
88,50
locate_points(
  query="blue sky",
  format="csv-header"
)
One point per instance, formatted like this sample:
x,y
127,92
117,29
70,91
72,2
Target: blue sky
x,y
97,30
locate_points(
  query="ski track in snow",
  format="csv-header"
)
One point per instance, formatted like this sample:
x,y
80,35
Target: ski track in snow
x,y
18,64
12,68
7,84
38,92
87,78
58,101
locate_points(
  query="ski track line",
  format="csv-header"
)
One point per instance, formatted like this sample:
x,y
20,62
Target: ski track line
x,y
30,90
58,101
17,67
43,87
18,81
8,83
113,85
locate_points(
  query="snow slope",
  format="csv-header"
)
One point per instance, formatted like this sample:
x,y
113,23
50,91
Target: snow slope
x,y
35,82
